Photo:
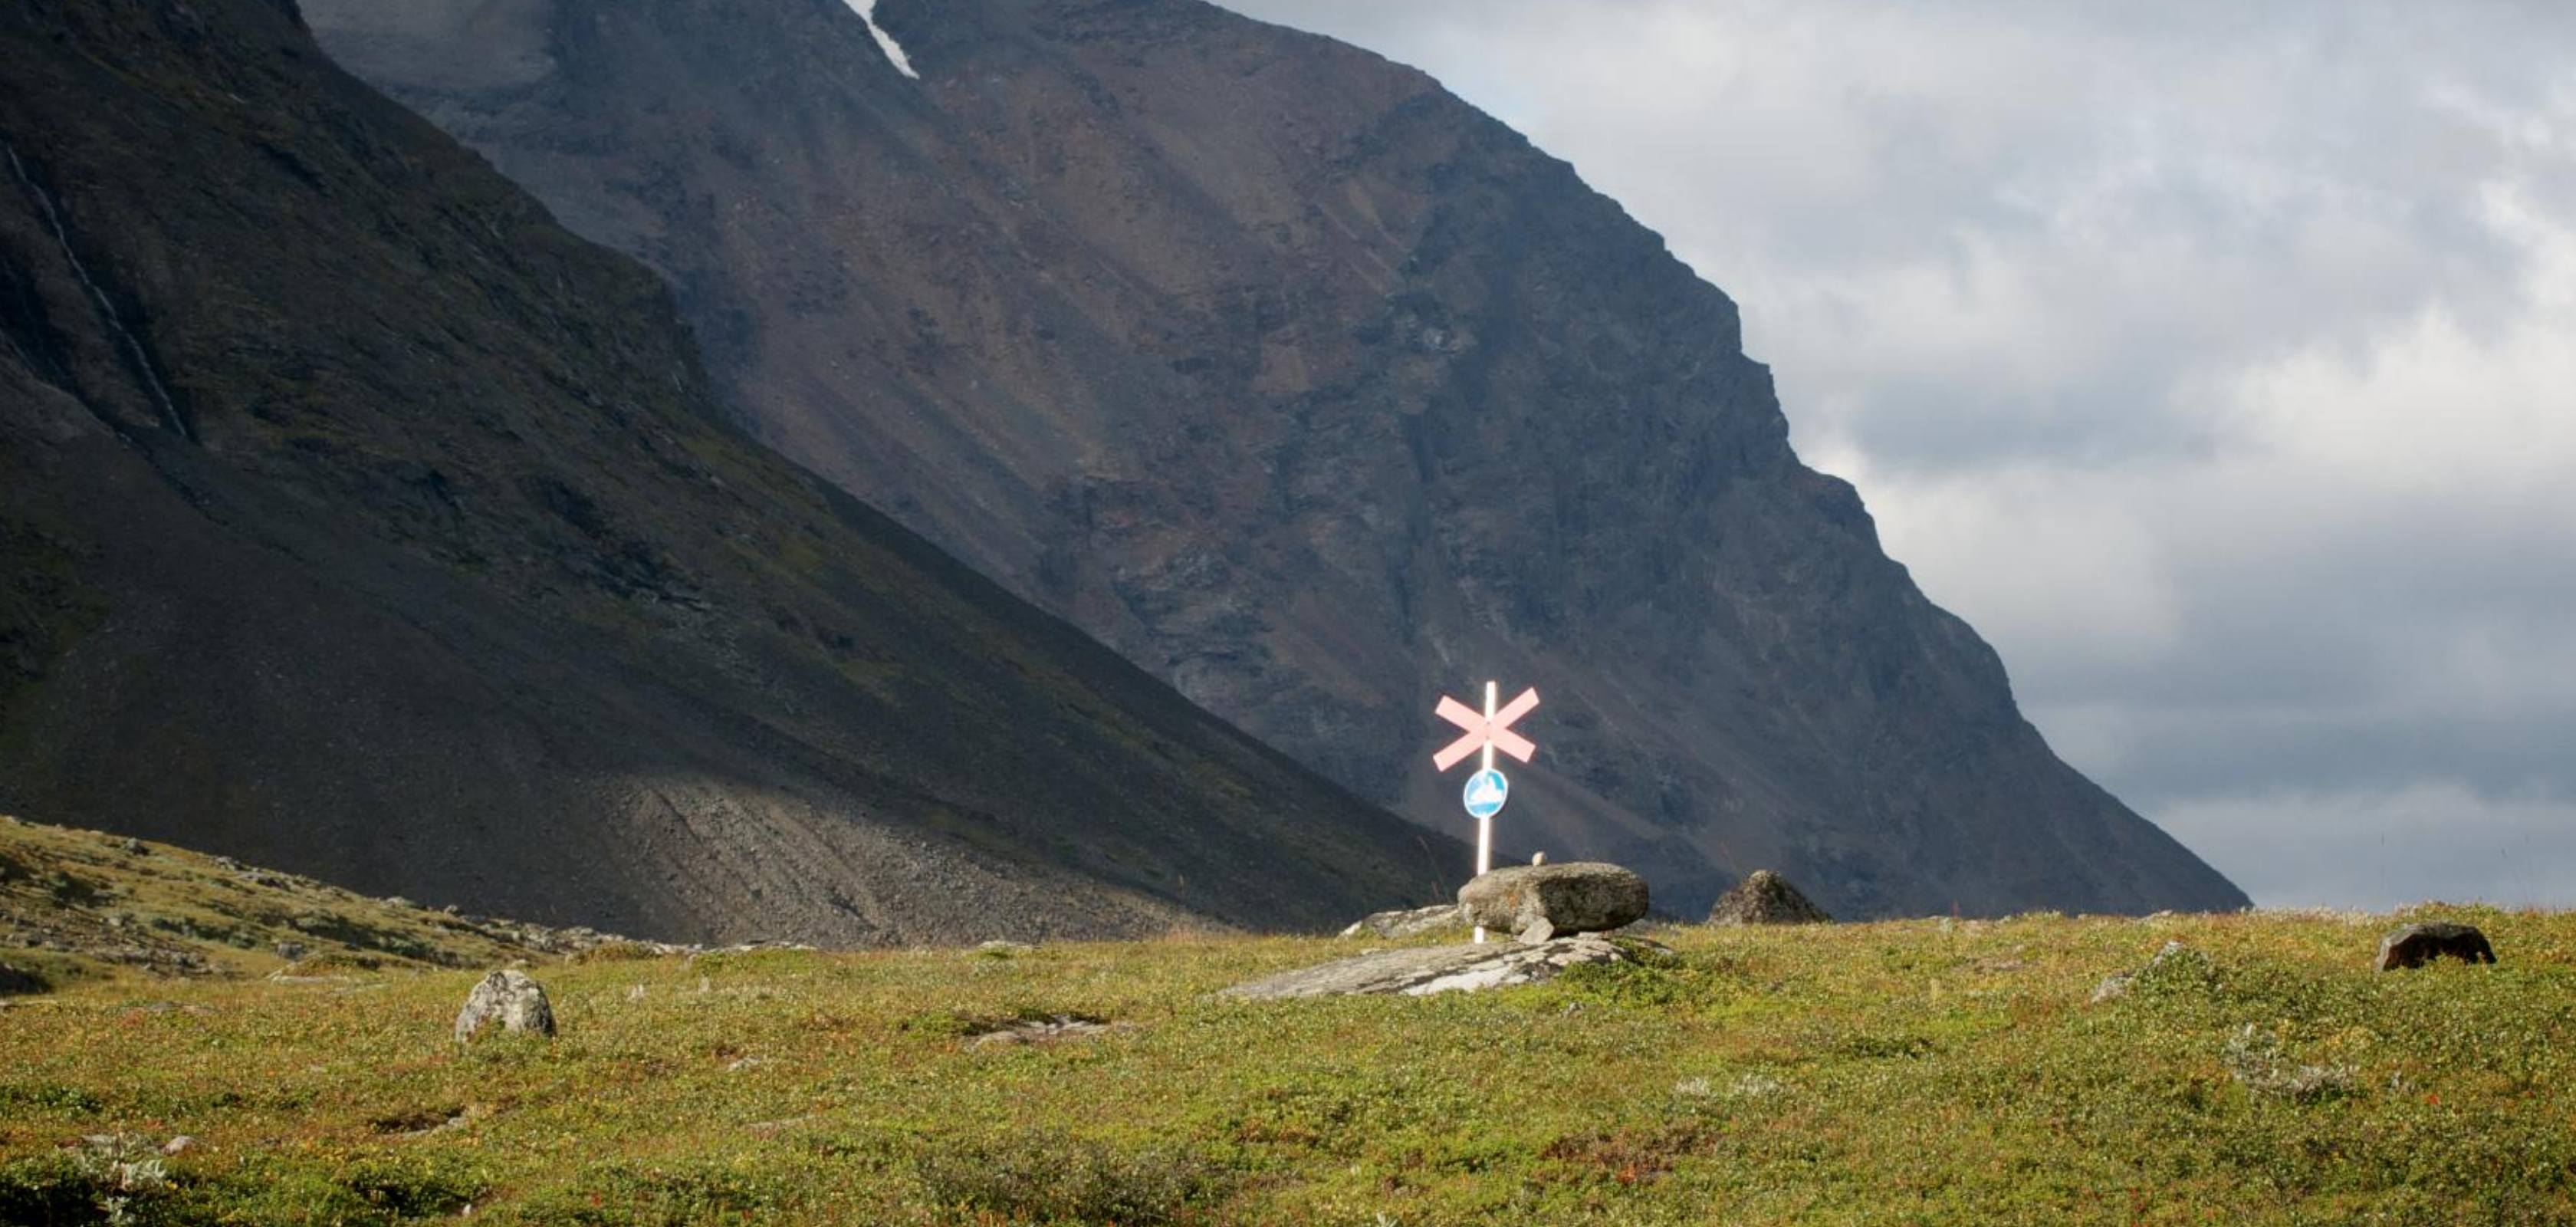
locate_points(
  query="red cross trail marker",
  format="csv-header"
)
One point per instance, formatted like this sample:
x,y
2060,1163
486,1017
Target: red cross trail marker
x,y
1487,731
1486,728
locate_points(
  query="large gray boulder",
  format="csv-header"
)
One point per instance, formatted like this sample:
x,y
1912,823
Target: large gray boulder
x,y
2418,944
1540,901
509,999
1765,898
1423,970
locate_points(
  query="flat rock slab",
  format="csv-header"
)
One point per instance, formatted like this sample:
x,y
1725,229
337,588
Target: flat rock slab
x,y
1423,970
1047,1030
1409,922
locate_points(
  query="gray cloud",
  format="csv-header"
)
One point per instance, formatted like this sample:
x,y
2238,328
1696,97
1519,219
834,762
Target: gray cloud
x,y
2213,359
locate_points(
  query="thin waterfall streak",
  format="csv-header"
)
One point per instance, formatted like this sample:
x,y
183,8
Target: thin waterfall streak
x,y
107,307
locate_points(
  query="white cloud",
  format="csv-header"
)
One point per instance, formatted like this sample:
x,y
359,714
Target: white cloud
x,y
2218,362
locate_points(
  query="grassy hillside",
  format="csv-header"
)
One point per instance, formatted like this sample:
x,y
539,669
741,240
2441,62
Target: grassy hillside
x,y
88,908
1905,1072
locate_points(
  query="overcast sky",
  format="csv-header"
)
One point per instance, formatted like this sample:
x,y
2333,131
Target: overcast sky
x,y
2216,360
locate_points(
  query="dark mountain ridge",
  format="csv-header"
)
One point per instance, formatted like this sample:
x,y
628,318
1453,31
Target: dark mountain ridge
x,y
357,519
1311,389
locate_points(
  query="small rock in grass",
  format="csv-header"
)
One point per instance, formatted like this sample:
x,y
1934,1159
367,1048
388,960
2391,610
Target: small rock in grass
x,y
510,999
2175,961
1046,1030
2255,1058
2418,944
18,981
1766,898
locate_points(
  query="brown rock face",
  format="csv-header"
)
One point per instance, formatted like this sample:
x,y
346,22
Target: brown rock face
x,y
1308,388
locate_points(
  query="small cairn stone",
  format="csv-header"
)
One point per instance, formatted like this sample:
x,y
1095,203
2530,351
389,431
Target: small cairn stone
x,y
1766,898
1539,902
2418,944
510,999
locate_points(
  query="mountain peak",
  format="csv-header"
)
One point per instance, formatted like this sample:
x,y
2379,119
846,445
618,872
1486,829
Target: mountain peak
x,y
1315,391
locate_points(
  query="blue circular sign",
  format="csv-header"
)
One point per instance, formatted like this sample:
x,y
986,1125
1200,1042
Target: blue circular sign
x,y
1486,792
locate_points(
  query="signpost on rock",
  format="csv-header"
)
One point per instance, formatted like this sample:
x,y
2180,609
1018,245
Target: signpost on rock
x,y
1486,732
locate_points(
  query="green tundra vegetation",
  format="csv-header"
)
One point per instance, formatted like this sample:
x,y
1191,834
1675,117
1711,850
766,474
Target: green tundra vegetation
x,y
1923,1071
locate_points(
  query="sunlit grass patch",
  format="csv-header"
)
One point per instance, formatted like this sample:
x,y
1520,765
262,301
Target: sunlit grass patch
x,y
1923,1071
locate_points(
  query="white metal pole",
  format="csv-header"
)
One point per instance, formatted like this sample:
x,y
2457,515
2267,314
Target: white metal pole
x,y
1485,824
1489,737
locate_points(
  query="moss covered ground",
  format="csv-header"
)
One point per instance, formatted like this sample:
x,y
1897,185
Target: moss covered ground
x,y
1931,1071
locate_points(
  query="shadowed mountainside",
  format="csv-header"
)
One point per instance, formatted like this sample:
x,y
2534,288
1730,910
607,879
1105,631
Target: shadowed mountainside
x,y
1311,389
358,520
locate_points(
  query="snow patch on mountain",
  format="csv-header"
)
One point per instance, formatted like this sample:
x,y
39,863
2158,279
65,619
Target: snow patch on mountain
x,y
867,11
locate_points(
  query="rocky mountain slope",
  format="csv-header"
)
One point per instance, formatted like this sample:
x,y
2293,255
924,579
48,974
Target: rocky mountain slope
x,y
1311,389
356,519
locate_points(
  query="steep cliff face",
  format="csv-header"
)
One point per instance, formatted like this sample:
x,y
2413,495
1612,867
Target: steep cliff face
x,y
1307,387
356,519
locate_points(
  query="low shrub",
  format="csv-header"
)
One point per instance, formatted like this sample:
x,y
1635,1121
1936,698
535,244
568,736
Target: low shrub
x,y
1050,1178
